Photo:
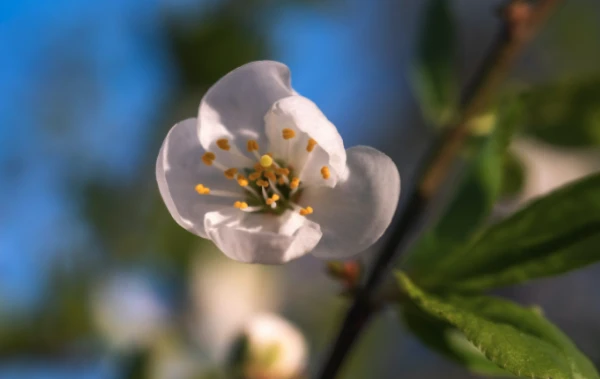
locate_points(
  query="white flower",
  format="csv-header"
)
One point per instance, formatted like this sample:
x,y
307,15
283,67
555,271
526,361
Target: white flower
x,y
272,349
264,175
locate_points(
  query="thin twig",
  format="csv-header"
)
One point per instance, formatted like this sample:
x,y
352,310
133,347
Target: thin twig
x,y
521,21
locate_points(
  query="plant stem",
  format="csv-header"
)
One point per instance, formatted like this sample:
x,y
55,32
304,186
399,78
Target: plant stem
x,y
520,22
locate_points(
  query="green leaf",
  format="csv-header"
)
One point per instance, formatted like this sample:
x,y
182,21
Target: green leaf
x,y
445,339
513,175
476,194
434,76
517,339
555,234
565,114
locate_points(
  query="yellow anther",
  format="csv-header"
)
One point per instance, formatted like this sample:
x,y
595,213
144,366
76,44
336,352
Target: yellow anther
x,y
252,145
270,175
281,180
254,176
230,173
295,183
282,171
258,167
242,181
208,158
266,161
272,199
240,205
325,172
306,211
202,190
223,144
288,133
311,145
262,183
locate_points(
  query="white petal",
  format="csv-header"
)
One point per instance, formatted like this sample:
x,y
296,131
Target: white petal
x,y
179,169
262,238
235,106
306,119
355,213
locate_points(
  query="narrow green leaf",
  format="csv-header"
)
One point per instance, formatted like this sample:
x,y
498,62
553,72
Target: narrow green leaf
x,y
517,339
475,196
565,114
513,175
434,76
555,234
445,339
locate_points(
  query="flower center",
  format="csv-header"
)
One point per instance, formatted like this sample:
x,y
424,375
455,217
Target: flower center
x,y
271,185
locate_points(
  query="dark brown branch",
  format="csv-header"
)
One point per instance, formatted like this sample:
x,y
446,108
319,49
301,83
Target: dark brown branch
x,y
521,20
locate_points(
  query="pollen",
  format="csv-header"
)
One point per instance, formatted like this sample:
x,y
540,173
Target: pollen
x,y
295,183
282,171
252,145
306,211
270,175
262,183
208,158
240,205
288,133
242,181
272,199
325,172
230,173
258,167
254,176
202,190
223,144
310,146
266,161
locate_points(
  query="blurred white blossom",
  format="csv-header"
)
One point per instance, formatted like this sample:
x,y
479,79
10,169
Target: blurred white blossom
x,y
549,167
272,349
127,310
265,175
226,295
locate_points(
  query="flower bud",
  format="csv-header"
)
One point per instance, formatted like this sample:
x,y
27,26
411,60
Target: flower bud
x,y
269,347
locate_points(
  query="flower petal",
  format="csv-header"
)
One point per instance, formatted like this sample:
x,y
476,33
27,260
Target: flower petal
x,y
355,213
235,106
307,121
179,169
262,238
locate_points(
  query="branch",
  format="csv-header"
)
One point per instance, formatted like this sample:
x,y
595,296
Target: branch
x,y
521,21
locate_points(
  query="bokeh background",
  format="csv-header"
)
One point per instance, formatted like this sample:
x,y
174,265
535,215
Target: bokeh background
x,y
97,280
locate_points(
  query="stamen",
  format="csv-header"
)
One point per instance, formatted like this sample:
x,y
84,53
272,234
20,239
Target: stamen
x,y
252,145
254,176
208,158
202,190
325,172
242,181
270,175
282,171
258,167
266,161
294,183
223,144
311,145
240,205
288,133
306,211
281,180
272,199
262,183
230,173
